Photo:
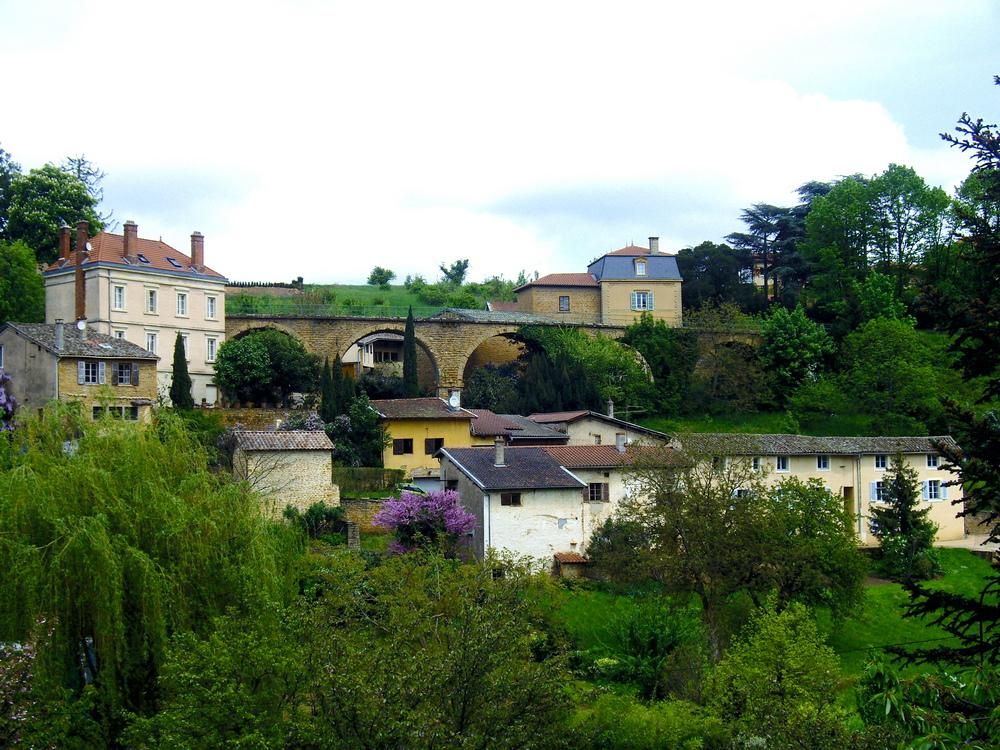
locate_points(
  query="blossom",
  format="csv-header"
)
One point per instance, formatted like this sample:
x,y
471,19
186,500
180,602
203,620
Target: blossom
x,y
417,518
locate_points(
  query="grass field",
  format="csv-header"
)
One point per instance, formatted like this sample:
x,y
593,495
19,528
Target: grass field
x,y
760,422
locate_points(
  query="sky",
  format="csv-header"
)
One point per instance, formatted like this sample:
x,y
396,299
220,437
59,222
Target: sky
x,y
320,139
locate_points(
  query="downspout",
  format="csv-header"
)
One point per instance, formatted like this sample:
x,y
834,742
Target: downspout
x,y
487,525
861,524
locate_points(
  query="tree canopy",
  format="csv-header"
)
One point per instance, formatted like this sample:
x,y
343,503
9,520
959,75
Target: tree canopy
x,y
22,291
265,366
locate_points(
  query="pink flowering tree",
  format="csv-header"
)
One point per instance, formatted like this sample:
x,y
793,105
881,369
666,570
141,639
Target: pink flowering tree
x,y
8,404
432,519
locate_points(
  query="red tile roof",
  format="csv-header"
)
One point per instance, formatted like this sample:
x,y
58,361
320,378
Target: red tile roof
x,y
488,423
557,416
562,279
503,306
571,558
586,456
419,408
107,248
634,250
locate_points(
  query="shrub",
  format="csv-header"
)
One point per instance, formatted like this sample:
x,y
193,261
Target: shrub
x,y
318,520
418,520
615,721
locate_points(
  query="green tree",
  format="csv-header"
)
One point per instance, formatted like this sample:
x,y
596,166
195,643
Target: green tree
x,y
492,387
902,527
762,241
411,388
454,274
327,399
180,381
777,686
122,542
22,291
381,277
43,200
91,176
9,169
358,435
266,366
243,368
716,273
793,350
877,298
671,354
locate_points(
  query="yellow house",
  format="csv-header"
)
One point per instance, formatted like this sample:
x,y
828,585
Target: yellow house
x,y
617,288
419,428
78,365
850,467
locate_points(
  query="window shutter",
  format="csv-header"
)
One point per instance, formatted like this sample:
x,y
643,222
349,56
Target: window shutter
x,y
606,492
633,301
135,373
101,377
924,493
873,491
944,492
81,372
650,301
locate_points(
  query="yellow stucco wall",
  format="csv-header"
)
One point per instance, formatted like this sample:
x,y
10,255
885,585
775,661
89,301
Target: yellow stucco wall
x,y
584,302
455,433
89,395
616,301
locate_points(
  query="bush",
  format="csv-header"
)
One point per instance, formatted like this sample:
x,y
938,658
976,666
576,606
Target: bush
x,y
620,723
431,519
318,520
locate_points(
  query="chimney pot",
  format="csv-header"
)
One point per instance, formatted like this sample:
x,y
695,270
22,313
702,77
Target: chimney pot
x,y
611,409
131,232
60,334
81,250
64,249
654,244
197,250
620,442
499,458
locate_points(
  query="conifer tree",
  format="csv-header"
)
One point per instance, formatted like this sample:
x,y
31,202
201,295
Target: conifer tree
x,y
902,527
411,388
180,385
341,388
327,399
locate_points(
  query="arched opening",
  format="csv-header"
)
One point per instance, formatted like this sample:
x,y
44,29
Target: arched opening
x,y
379,354
498,351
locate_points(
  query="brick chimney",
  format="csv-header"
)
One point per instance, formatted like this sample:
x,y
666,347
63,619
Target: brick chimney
x,y
498,448
60,330
654,244
64,245
131,244
197,250
81,252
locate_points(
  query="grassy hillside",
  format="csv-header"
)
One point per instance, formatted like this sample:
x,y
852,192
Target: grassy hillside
x,y
337,299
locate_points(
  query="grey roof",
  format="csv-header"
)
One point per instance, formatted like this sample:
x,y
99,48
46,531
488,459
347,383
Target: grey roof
x,y
419,408
489,316
282,440
525,469
78,343
619,267
738,444
530,430
565,417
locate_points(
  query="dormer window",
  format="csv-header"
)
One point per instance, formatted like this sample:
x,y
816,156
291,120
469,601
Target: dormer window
x,y
640,268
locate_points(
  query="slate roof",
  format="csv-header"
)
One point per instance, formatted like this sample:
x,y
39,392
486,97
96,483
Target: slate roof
x,y
419,408
734,444
562,279
489,316
282,440
108,248
564,417
80,344
611,267
490,424
525,469
531,430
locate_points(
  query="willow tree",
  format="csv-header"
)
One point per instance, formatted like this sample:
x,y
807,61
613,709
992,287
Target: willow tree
x,y
118,537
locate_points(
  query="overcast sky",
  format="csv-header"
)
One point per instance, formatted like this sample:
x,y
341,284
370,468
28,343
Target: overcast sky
x,y
320,139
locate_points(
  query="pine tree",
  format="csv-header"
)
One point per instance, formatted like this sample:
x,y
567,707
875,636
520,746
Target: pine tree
x,y
327,400
902,527
341,388
411,388
180,385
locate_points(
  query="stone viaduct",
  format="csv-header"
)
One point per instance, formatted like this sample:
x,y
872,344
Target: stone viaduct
x,y
446,342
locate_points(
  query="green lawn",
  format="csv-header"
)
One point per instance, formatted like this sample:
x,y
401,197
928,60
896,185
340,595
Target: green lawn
x,y
336,299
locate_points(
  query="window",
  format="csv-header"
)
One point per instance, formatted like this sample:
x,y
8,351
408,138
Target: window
x,y
151,300
174,263
89,372
563,303
210,307
781,463
1,356
878,490
130,413
182,303
433,445
184,343
932,460
880,461
642,300
381,356
511,498
597,439
402,446
742,492
119,333
598,492
823,463
755,463
933,488
640,268
151,342
118,297
451,484
124,373
142,258
211,344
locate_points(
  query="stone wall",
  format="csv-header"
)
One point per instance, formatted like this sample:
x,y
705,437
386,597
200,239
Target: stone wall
x,y
252,419
296,478
361,511
584,302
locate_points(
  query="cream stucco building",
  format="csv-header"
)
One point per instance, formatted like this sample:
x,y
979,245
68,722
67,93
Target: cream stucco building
x,y
146,292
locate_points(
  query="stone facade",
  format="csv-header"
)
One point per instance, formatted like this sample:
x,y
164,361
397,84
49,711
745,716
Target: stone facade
x,y
109,396
584,302
288,477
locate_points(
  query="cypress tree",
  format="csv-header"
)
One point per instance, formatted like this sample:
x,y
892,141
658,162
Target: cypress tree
x,y
327,400
180,385
341,388
411,388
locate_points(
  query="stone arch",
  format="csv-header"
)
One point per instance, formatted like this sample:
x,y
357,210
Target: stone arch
x,y
495,349
428,372
252,326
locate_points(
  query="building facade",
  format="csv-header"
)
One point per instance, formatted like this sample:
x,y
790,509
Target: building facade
x,y
287,468
145,292
100,373
617,288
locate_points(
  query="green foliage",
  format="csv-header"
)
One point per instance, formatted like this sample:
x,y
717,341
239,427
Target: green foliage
x,y
817,400
494,388
43,200
411,388
671,355
22,291
381,277
777,686
180,381
358,436
615,722
715,274
122,542
9,169
318,519
877,298
793,350
454,275
265,366
902,527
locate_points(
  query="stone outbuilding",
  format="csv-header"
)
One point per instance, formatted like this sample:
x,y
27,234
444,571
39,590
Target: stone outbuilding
x,y
290,467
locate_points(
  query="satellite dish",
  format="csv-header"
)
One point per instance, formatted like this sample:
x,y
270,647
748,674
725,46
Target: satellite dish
x,y
455,400
89,248
81,325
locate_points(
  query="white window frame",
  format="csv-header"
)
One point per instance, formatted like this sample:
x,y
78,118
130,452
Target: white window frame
x,y
561,298
211,307
182,304
211,348
1,356
823,463
934,490
647,300
879,491
640,268
932,460
881,461
185,343
119,333
151,336
755,463
118,305
152,301
778,460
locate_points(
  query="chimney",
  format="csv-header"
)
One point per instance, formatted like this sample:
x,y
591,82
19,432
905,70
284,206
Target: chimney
x,y
131,243
81,289
611,408
654,244
64,250
620,442
498,447
197,250
60,334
